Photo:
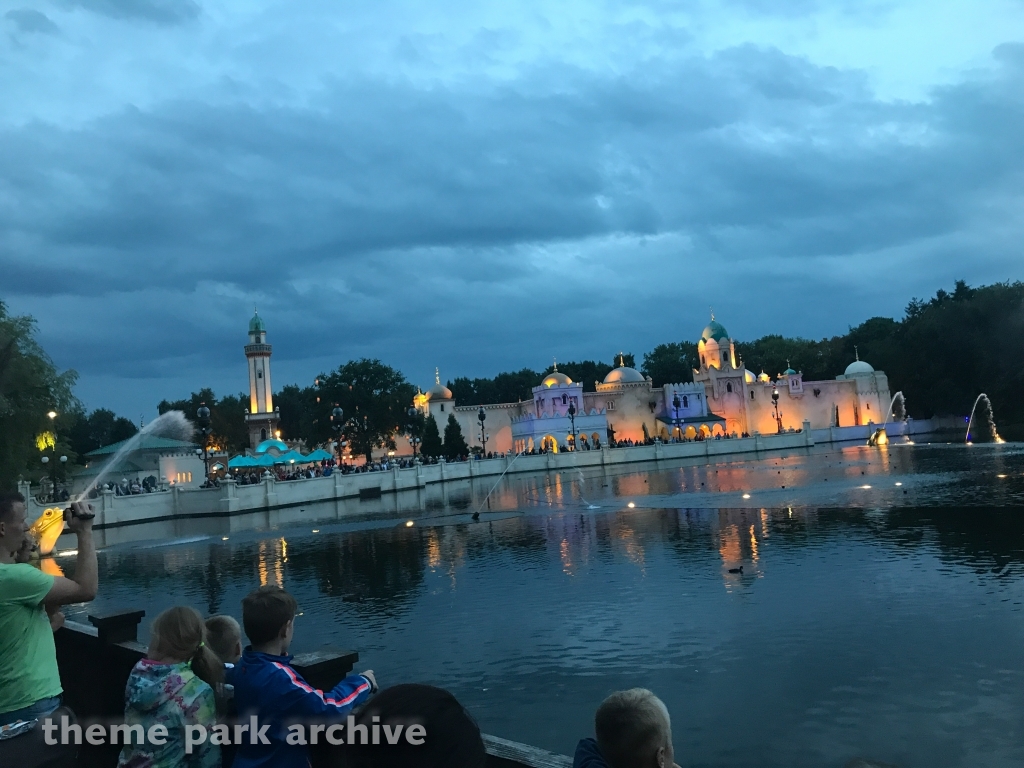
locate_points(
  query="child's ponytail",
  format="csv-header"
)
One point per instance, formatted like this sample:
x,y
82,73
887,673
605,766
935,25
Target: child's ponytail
x,y
206,665
179,633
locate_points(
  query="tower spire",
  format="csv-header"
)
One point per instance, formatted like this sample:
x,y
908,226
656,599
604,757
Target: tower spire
x,y
437,375
712,313
856,352
554,366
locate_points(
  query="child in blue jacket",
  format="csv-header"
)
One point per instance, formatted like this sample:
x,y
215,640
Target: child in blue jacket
x,y
267,687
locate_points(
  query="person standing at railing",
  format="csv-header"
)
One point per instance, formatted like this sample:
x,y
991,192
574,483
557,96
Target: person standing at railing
x,y
29,680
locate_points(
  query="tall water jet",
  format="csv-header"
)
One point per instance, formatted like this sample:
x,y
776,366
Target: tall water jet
x,y
173,425
897,409
986,423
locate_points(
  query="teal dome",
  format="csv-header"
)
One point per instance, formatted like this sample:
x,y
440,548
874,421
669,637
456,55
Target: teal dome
x,y
256,324
789,372
714,330
271,443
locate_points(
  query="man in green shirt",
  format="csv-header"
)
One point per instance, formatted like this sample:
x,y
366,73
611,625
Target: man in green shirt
x,y
29,681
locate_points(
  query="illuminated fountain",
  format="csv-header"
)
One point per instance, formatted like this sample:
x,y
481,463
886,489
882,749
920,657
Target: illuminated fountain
x,y
986,422
48,528
172,424
898,412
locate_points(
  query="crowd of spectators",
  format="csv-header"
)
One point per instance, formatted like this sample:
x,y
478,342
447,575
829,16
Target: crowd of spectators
x,y
196,676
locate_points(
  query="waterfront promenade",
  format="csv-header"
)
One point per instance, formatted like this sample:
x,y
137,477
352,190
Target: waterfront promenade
x,y
272,502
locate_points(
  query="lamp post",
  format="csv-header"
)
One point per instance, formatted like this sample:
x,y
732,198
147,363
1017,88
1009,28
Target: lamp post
x,y
203,416
778,416
53,464
481,417
336,415
675,407
572,420
414,438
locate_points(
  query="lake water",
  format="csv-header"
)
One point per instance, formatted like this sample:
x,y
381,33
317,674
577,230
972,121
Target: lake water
x,y
878,612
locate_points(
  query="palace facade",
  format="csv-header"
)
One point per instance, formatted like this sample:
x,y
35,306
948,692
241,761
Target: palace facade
x,y
724,398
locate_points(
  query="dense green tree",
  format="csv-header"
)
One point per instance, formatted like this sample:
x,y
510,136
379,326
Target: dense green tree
x,y
432,445
300,413
375,399
101,427
670,363
30,387
772,354
454,441
949,349
508,387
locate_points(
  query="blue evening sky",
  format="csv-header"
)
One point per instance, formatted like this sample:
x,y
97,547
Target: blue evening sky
x,y
482,186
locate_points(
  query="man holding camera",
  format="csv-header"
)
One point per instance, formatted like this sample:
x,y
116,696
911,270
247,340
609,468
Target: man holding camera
x,y
29,680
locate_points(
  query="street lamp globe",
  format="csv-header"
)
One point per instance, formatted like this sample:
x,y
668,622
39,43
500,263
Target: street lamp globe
x,y
63,459
45,459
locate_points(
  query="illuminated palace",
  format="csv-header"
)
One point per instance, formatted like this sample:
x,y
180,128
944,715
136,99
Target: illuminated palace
x,y
724,399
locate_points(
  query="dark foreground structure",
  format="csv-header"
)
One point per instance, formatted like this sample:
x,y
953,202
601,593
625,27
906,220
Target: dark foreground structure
x,y
95,662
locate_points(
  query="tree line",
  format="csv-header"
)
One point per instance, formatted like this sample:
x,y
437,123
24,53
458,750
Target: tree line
x,y
942,353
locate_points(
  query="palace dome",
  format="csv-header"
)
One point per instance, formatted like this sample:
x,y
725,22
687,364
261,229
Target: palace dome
x,y
439,392
791,372
623,375
762,376
859,367
272,443
714,330
556,379
256,324
748,376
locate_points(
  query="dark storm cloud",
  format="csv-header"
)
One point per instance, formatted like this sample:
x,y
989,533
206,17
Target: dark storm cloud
x,y
158,11
384,218
29,20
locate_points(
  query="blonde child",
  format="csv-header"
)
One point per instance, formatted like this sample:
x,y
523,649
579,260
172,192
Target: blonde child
x,y
173,687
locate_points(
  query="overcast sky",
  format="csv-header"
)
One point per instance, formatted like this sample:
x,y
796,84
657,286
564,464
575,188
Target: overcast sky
x,y
483,186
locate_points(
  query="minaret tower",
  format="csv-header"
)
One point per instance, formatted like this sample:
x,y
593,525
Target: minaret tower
x,y
260,416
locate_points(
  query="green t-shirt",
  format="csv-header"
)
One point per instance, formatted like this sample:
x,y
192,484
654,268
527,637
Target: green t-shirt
x,y
28,659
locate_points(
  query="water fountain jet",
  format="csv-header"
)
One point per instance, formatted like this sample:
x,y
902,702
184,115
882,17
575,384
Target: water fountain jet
x,y
989,424
173,425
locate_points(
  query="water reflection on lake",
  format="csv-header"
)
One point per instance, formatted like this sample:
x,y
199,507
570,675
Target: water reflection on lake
x,y
865,622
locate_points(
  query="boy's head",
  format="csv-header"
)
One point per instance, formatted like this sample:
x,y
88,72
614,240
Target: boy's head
x,y
12,522
268,614
634,730
224,637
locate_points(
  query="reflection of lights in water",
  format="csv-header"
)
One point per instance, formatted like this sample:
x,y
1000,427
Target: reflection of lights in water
x,y
865,487
1000,475
433,550
66,553
316,530
631,505
409,523
223,538
753,544
563,551
746,495
898,484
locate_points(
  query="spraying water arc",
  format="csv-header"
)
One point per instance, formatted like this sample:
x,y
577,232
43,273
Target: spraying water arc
x,y
173,425
986,422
